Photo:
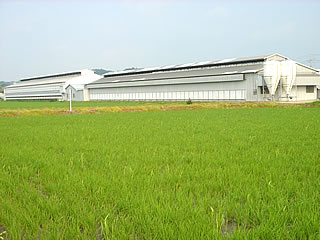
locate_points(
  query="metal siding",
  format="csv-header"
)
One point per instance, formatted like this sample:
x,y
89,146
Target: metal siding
x,y
79,95
175,74
36,98
218,83
302,95
50,87
36,89
307,80
51,91
251,86
201,91
222,78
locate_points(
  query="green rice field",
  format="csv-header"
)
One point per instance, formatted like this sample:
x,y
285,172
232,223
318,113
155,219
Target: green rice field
x,y
205,174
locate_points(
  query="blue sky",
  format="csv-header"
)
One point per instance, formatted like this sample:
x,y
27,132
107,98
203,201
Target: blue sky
x,y
42,37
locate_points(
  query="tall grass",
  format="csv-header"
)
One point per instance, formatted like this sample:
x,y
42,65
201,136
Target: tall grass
x,y
210,174
55,104
11,109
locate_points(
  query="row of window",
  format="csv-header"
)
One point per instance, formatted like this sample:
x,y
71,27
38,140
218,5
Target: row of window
x,y
265,90
201,95
309,89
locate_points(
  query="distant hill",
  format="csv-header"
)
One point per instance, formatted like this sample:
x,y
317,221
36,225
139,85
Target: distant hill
x,y
100,71
4,84
131,68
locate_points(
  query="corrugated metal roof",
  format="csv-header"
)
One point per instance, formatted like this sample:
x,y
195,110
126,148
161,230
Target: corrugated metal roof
x,y
35,82
86,76
76,86
170,81
52,76
223,62
173,75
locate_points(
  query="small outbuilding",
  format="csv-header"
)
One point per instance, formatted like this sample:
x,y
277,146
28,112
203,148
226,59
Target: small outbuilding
x,y
75,91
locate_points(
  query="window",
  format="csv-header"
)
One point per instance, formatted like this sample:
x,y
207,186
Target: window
x,y
74,95
309,89
265,90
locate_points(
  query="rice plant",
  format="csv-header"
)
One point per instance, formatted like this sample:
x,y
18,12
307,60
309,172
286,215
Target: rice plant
x,y
204,174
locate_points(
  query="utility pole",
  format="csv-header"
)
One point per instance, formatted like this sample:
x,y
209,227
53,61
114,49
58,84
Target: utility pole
x,y
310,60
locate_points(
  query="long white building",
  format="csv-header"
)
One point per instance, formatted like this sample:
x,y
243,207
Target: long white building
x,y
264,78
51,86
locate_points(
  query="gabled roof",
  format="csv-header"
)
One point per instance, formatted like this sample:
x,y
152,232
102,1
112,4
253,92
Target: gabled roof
x,y
195,65
64,74
277,54
311,68
76,86
178,77
77,77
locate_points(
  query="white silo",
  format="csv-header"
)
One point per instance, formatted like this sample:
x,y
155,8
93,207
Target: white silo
x,y
272,74
288,75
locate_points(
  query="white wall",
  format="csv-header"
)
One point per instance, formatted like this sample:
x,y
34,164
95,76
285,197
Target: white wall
x,y
252,81
199,91
302,95
76,95
49,87
50,91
